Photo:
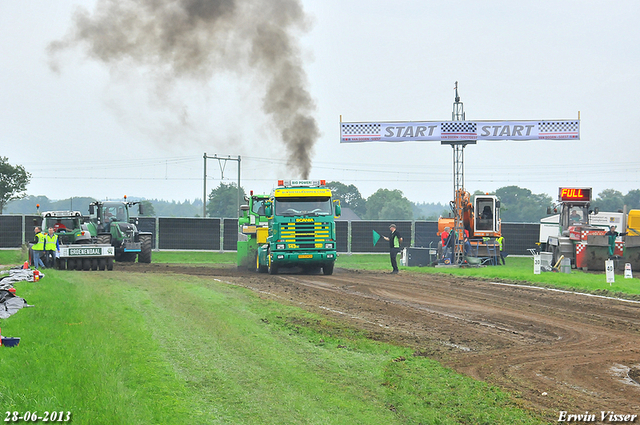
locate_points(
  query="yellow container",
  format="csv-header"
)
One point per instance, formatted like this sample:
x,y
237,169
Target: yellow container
x,y
262,233
633,223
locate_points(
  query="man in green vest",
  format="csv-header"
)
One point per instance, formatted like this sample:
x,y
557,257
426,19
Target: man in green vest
x,y
38,248
51,247
500,241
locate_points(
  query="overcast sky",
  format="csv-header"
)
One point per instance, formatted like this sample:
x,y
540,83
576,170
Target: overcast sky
x,y
88,126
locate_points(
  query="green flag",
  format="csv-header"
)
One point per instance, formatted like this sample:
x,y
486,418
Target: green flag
x,y
376,237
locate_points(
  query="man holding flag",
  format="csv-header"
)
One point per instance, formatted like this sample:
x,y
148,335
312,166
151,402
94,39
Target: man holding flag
x,y
394,246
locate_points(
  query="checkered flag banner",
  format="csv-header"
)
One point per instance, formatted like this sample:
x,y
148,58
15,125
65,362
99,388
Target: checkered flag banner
x,y
354,132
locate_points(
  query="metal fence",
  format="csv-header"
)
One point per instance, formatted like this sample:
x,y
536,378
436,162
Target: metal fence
x,y
215,234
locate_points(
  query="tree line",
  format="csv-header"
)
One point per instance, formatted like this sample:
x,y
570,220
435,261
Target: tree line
x,y
517,204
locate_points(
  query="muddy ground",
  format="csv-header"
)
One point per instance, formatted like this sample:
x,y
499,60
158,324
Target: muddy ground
x,y
556,351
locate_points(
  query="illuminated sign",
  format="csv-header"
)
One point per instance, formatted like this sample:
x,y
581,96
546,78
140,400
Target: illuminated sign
x,y
580,194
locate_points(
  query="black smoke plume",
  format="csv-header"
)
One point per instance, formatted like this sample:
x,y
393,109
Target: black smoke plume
x,y
196,39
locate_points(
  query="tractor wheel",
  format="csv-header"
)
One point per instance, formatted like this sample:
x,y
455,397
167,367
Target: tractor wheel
x,y
71,264
94,264
102,264
109,264
260,268
145,254
86,264
327,269
104,239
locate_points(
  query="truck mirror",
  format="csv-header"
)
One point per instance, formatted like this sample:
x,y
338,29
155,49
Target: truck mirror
x,y
338,208
267,208
140,209
596,210
498,204
91,210
549,210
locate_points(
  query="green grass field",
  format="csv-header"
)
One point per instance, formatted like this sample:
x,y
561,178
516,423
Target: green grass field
x,y
136,348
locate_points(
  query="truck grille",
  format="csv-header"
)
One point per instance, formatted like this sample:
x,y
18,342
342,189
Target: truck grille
x,y
305,235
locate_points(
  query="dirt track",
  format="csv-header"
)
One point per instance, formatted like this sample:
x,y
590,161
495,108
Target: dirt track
x,y
559,351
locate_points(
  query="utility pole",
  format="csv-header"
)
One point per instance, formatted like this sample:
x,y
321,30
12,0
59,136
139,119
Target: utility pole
x,y
204,192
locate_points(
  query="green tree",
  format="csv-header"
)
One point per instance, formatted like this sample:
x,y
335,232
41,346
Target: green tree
x,y
609,200
13,182
147,209
387,204
349,196
632,199
521,206
223,201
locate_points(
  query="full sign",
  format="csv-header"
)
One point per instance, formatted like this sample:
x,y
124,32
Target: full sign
x,y
580,194
354,132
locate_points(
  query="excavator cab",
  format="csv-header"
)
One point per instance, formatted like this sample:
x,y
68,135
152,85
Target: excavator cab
x,y
487,215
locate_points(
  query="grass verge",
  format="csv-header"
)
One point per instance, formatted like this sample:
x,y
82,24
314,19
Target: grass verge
x,y
115,347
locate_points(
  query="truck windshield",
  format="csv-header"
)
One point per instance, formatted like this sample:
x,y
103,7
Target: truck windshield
x,y
305,206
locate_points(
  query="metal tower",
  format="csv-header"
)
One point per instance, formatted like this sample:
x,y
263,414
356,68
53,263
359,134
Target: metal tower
x,y
458,179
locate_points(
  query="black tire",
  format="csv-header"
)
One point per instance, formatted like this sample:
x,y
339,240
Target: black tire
x,y
86,264
260,268
272,268
109,264
145,255
104,239
71,264
94,264
327,269
102,264
62,264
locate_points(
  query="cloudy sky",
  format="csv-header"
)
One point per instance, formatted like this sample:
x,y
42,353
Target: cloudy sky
x,y
106,98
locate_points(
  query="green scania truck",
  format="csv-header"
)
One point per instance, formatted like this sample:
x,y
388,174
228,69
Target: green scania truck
x,y
300,229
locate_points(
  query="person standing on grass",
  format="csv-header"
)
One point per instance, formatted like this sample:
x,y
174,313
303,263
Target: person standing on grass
x,y
38,248
395,240
500,241
51,247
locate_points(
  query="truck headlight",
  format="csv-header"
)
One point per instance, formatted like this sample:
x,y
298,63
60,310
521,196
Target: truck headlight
x,y
329,255
280,246
328,246
280,257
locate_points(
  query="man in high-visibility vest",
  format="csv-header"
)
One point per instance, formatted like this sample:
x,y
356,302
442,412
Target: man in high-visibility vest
x,y
38,248
394,246
51,247
500,241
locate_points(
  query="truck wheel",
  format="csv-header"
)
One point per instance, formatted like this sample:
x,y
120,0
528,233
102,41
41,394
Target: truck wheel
x,y
327,269
273,269
145,253
260,268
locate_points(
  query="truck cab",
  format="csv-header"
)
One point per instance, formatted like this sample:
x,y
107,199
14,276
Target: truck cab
x,y
301,228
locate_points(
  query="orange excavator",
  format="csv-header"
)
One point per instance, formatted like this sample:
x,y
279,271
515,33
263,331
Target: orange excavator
x,y
479,220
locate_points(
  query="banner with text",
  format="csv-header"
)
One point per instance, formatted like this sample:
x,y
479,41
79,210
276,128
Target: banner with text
x,y
354,132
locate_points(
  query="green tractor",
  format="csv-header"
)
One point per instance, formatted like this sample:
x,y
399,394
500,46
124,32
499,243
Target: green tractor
x,y
115,227
78,242
252,230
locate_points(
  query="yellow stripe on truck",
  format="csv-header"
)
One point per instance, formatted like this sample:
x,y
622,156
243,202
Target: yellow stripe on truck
x,y
298,192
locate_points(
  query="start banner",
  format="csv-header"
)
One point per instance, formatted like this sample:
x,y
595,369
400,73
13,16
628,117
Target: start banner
x,y
354,132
